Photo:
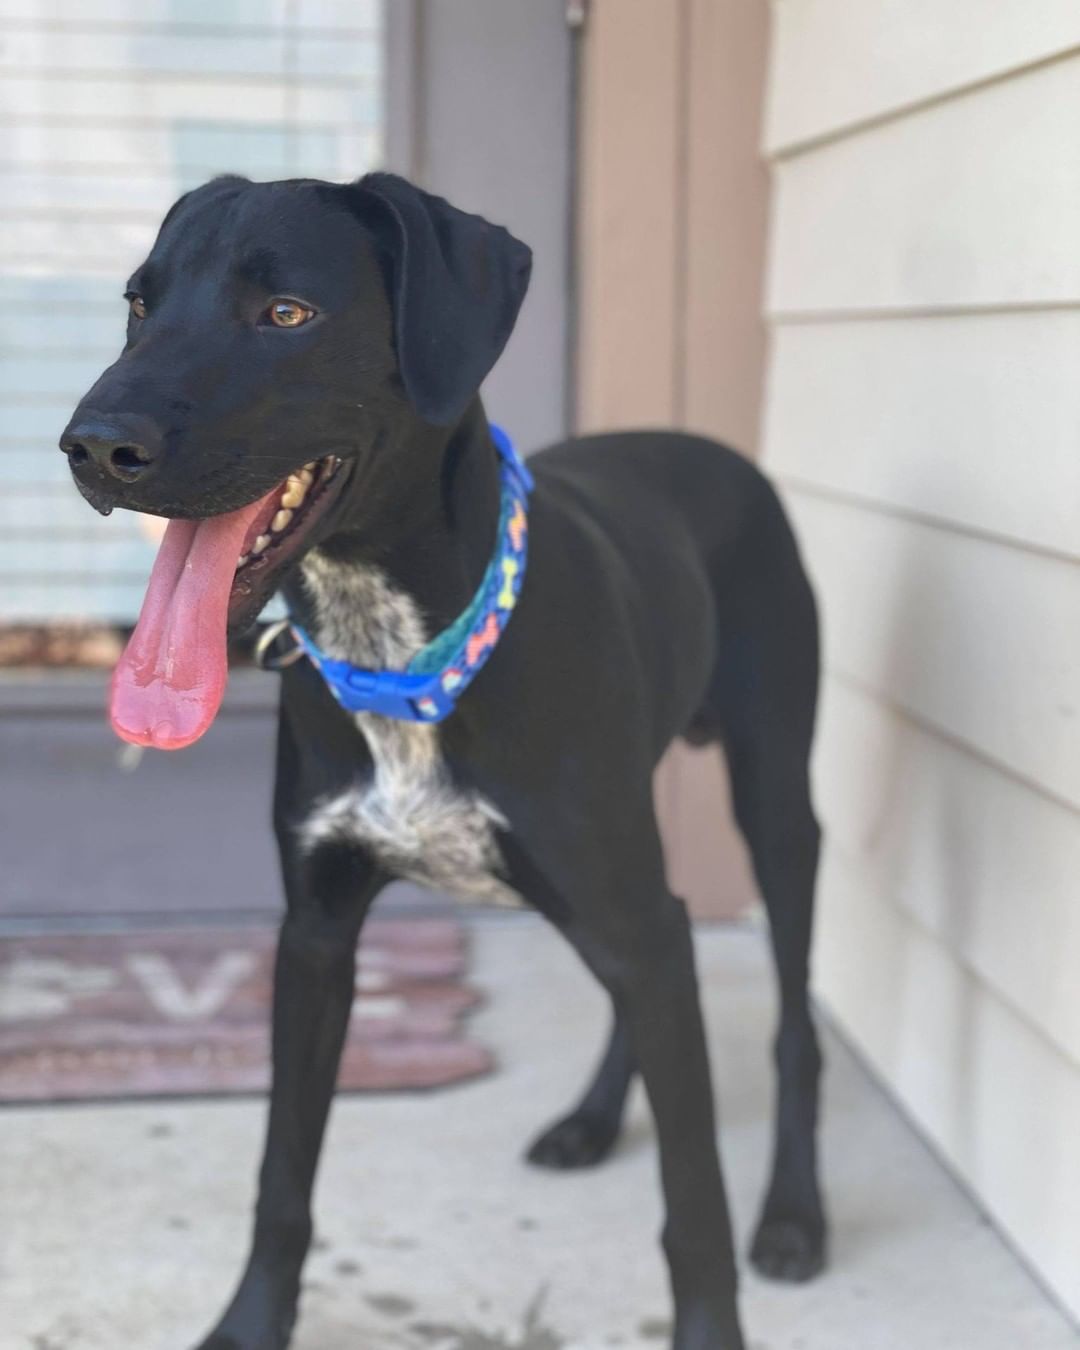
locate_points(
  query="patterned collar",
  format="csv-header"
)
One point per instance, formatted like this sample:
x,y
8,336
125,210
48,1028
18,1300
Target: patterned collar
x,y
428,688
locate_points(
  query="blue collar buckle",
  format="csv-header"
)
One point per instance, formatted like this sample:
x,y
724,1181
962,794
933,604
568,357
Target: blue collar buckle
x,y
388,693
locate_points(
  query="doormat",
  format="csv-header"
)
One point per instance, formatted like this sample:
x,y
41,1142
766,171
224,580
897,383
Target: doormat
x,y
187,1012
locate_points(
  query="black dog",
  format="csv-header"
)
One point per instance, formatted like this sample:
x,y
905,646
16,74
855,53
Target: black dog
x,y
347,329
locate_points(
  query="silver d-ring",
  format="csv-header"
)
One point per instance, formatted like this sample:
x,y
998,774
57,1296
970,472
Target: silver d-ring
x,y
266,658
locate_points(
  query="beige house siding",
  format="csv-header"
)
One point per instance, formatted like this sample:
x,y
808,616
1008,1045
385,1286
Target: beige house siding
x,y
922,417
673,209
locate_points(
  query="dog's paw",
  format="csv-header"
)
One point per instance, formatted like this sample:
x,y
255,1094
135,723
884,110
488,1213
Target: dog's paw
x,y
788,1250
707,1326
225,1340
256,1328
576,1141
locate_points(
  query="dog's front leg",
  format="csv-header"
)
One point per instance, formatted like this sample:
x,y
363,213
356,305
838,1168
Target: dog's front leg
x,y
314,983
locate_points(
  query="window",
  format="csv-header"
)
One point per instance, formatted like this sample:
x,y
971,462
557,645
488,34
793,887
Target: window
x,y
109,109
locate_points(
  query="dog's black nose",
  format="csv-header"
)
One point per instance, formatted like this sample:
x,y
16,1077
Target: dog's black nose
x,y
125,447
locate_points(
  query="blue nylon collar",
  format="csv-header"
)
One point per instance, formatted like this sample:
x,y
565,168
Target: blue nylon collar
x,y
428,688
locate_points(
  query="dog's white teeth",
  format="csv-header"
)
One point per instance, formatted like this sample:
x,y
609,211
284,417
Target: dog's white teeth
x,y
281,521
260,544
306,476
294,494
243,560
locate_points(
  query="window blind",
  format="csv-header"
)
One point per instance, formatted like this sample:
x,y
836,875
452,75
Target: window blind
x,y
109,109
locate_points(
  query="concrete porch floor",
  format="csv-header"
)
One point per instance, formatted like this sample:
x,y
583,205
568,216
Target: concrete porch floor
x,y
124,1225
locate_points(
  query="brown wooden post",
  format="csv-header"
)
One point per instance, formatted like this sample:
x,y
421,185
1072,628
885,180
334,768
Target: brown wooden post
x,y
673,201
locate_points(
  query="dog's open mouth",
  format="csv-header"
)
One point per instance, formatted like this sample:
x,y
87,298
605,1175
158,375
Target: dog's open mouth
x,y
284,518
169,683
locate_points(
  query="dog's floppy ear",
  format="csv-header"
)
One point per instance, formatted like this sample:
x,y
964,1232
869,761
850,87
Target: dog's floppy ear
x,y
456,284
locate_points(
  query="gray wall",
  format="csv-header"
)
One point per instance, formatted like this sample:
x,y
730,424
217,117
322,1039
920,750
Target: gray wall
x,y
479,109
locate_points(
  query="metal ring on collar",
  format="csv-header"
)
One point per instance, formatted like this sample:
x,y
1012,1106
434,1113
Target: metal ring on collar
x,y
265,656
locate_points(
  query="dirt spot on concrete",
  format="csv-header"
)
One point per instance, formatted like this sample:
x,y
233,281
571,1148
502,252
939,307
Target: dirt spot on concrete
x,y
655,1329
534,1334
391,1305
346,1266
434,1331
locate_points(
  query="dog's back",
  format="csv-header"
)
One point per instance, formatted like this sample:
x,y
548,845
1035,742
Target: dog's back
x,y
709,556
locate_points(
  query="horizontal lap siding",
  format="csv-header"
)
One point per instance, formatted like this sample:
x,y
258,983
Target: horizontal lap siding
x,y
921,417
837,64
993,1094
974,202
938,417
979,640
983,861
110,109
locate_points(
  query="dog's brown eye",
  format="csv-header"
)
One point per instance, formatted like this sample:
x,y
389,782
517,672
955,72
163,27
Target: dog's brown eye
x,y
138,306
289,314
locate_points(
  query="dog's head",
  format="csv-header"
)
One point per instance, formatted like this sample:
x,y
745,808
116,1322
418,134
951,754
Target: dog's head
x,y
282,340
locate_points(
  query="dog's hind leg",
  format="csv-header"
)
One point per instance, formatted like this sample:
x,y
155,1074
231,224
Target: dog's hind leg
x,y
636,937
767,692
773,807
587,1134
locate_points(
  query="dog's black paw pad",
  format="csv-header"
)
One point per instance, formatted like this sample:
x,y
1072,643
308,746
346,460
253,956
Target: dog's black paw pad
x,y
577,1141
785,1249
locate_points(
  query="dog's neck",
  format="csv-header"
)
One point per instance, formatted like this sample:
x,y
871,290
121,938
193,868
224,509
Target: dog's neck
x,y
411,548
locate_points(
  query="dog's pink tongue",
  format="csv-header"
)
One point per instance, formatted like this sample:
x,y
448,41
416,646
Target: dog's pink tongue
x,y
170,681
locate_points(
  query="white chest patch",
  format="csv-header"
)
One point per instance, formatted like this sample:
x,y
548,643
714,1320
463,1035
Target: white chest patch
x,y
409,814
